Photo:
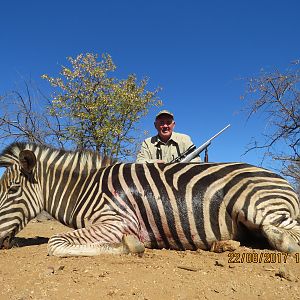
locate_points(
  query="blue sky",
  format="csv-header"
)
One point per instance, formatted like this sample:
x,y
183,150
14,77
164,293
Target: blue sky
x,y
197,51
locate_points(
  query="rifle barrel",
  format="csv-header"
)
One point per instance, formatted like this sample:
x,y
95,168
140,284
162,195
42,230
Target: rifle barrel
x,y
219,132
192,155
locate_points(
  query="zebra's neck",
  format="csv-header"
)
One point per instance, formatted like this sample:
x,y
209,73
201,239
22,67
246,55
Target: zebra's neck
x,y
62,179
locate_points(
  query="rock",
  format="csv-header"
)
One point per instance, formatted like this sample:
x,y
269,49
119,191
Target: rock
x,y
283,273
54,270
59,268
219,264
49,271
188,268
43,216
222,246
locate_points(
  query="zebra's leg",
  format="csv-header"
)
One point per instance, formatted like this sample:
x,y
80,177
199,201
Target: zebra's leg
x,y
283,237
94,241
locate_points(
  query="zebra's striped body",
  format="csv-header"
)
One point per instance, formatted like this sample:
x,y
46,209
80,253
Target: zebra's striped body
x,y
175,206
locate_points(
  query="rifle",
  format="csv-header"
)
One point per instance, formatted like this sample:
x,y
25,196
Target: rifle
x,y
188,151
192,152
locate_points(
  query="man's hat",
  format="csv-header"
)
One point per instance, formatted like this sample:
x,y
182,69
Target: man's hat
x,y
164,112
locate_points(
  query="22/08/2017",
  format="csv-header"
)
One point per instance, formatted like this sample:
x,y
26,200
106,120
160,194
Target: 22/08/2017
x,y
254,257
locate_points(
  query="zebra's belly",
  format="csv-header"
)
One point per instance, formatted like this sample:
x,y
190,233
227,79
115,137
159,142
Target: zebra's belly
x,y
182,241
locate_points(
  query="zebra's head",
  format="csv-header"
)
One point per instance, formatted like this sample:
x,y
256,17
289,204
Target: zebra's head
x,y
17,188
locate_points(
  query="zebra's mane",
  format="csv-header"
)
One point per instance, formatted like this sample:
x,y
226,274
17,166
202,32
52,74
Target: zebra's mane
x,y
10,155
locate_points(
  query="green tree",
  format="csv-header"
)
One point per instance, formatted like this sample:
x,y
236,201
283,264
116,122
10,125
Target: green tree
x,y
100,112
276,95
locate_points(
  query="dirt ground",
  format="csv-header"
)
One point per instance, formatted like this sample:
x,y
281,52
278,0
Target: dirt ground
x,y
28,273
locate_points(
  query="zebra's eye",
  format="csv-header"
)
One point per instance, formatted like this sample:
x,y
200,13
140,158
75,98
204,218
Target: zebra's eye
x,y
13,189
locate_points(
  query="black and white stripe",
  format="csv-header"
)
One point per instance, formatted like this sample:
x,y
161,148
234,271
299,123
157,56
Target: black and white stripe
x,y
177,206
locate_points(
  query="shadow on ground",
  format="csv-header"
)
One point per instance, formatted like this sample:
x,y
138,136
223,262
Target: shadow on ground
x,y
24,242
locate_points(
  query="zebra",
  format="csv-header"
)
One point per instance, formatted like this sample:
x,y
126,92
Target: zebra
x,y
127,207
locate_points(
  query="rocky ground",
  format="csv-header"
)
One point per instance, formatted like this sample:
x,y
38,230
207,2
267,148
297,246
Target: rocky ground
x,y
28,273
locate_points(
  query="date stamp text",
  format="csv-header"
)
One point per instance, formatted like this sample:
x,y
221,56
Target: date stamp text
x,y
254,257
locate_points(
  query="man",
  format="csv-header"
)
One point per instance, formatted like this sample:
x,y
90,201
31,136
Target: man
x,y
167,144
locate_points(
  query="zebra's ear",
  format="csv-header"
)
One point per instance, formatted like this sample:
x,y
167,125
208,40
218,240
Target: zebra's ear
x,y
27,161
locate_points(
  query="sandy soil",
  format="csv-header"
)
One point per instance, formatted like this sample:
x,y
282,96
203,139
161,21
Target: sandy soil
x,y
28,273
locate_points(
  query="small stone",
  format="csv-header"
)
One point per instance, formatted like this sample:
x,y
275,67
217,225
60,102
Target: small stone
x,y
49,271
59,268
283,273
219,264
222,246
43,216
188,268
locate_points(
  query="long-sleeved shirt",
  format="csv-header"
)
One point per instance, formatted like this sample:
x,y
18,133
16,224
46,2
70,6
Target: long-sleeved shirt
x,y
154,149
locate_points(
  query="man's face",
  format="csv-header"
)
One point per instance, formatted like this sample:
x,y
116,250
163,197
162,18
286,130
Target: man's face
x,y
164,125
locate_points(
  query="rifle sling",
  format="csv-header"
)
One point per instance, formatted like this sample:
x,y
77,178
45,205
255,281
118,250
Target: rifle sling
x,y
159,151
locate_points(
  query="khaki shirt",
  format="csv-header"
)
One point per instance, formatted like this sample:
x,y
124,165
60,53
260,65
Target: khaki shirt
x,y
154,149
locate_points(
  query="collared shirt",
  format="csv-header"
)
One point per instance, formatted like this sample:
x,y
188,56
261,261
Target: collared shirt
x,y
154,149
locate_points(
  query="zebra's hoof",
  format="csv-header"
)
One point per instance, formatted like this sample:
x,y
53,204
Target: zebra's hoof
x,y
132,244
281,239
